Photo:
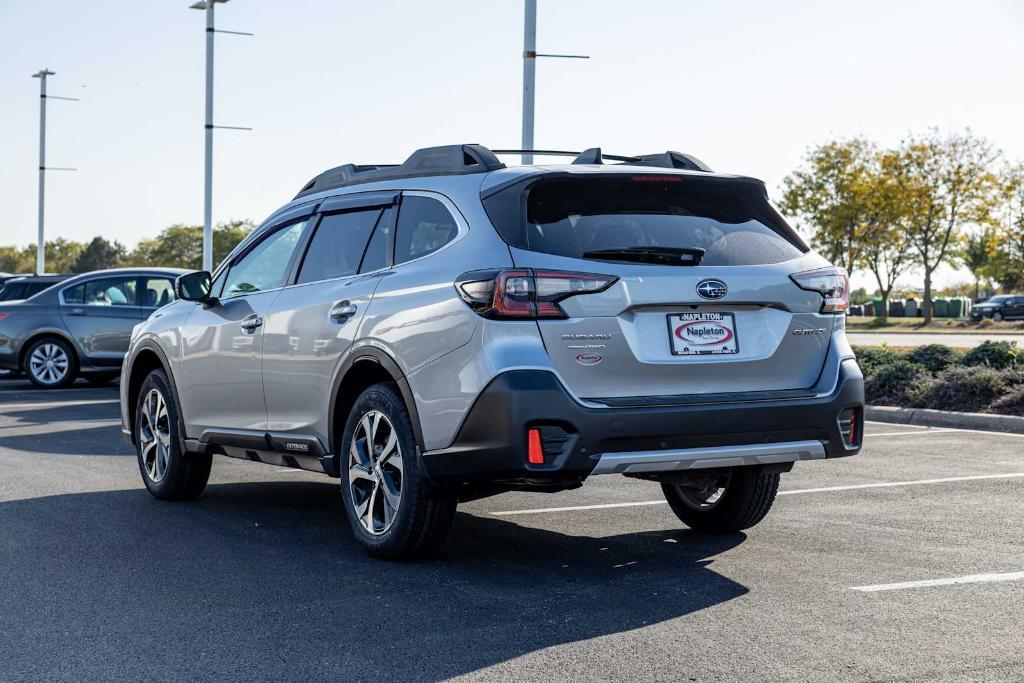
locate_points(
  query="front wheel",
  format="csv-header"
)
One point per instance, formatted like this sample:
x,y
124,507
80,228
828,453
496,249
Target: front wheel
x,y
166,470
732,501
393,510
997,316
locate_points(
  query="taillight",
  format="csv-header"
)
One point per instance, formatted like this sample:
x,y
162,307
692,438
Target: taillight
x,y
832,283
526,294
3,315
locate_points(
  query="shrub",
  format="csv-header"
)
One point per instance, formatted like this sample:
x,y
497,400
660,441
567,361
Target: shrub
x,y
871,358
994,354
890,381
959,388
1010,403
933,357
986,322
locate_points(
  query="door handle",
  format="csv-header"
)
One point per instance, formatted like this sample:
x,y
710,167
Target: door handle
x,y
251,323
342,311
76,311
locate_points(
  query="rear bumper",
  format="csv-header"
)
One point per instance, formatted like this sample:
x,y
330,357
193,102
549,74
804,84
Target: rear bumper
x,y
491,444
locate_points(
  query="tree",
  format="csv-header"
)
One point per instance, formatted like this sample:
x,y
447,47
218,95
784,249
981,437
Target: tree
x,y
885,250
181,246
1007,262
829,192
948,183
99,254
976,255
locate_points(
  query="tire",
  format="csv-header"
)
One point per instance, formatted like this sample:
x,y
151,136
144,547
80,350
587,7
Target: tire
x,y
412,524
997,316
50,363
181,477
745,496
99,379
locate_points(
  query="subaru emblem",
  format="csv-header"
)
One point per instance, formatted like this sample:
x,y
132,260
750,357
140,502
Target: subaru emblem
x,y
711,289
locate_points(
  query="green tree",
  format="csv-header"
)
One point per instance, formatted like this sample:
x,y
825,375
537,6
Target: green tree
x,y
976,255
1007,249
181,246
99,254
948,183
830,193
885,250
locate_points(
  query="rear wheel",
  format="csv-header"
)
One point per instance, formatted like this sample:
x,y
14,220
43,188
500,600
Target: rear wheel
x,y
166,470
735,500
51,363
393,510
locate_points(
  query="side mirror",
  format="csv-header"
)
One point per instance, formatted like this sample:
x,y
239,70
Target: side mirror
x,y
194,287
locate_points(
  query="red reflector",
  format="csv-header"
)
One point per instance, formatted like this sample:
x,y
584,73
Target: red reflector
x,y
534,448
3,315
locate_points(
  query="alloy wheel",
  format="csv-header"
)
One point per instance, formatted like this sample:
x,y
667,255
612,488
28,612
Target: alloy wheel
x,y
49,363
375,472
155,435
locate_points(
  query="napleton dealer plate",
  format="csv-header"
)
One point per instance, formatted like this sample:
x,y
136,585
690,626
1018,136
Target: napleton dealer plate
x,y
696,334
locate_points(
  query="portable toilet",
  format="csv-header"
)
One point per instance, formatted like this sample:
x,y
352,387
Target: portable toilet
x,y
956,307
910,308
940,308
879,308
896,309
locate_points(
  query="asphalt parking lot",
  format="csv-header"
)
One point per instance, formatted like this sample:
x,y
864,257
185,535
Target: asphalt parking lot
x,y
261,579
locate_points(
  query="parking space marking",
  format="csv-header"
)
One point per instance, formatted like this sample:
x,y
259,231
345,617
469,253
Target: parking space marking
x,y
927,583
872,435
52,404
948,429
824,489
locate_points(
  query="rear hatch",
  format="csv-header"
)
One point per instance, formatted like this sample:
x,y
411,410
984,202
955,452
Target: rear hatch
x,y
702,300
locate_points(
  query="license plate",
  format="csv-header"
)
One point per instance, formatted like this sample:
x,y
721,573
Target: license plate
x,y
698,334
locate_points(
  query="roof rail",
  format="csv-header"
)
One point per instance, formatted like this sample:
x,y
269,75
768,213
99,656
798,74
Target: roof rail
x,y
445,160
588,156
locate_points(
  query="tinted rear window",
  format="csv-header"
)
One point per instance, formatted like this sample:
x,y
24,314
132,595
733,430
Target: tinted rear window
x,y
731,220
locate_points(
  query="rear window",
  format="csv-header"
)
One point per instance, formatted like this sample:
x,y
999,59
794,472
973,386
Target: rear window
x,y
731,220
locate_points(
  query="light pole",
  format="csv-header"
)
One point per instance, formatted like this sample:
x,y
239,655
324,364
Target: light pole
x,y
530,74
207,6
41,240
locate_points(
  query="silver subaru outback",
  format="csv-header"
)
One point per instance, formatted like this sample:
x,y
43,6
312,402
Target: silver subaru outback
x,y
450,328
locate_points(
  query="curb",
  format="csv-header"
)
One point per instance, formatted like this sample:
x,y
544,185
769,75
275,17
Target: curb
x,y
924,417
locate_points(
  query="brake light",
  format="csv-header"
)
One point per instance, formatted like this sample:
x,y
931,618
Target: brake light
x,y
832,283
3,315
526,294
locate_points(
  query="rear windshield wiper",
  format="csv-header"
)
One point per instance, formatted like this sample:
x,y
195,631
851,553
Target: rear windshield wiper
x,y
668,256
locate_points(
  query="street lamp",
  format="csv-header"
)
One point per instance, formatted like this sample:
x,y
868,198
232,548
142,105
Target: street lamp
x,y
41,241
530,75
207,6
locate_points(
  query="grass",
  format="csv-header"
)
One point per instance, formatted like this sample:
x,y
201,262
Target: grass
x,y
938,326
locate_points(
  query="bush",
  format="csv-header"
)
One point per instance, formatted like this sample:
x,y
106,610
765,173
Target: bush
x,y
986,322
871,358
967,389
889,382
933,357
1010,403
994,354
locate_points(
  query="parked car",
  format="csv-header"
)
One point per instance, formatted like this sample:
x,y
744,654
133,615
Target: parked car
x,y
450,329
82,325
25,286
1000,307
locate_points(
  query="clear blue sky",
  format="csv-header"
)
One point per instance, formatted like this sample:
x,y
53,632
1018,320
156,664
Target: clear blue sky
x,y
745,85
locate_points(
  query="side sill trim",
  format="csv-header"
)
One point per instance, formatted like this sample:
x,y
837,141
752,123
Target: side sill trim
x,y
708,458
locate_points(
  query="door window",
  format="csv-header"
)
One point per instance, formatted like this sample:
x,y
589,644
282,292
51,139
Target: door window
x,y
337,248
424,226
109,291
157,292
266,265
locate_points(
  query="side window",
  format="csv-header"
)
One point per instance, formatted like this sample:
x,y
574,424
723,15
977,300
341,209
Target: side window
x,y
338,245
75,295
424,226
266,265
376,256
157,292
108,291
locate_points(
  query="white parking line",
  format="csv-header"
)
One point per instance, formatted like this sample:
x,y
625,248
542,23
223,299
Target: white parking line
x,y
849,487
872,435
972,578
51,404
947,429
